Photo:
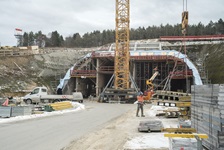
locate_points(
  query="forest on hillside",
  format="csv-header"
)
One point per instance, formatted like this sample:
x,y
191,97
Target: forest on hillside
x,y
98,38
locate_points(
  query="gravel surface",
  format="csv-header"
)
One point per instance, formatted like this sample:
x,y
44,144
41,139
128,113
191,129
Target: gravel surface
x,y
116,133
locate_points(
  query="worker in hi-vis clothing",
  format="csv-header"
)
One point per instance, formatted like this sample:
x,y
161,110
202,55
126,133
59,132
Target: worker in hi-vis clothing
x,y
140,105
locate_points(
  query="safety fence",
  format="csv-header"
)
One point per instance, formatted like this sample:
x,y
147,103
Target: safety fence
x,y
12,111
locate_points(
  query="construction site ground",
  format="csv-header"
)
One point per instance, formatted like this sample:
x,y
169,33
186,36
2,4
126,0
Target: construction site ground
x,y
122,133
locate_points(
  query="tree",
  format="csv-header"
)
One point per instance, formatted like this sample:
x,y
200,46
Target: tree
x,y
56,40
25,39
68,42
77,40
31,39
210,28
220,27
97,38
40,39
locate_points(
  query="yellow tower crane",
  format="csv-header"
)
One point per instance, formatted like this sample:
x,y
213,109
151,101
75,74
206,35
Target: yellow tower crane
x,y
122,54
121,77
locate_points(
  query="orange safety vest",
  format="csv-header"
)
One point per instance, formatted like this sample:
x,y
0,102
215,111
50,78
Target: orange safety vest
x,y
140,99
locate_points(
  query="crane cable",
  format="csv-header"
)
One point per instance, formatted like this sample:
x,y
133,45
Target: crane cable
x,y
186,5
184,27
184,32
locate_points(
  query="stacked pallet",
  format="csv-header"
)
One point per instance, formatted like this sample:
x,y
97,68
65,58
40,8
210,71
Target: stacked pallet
x,y
174,99
171,95
207,114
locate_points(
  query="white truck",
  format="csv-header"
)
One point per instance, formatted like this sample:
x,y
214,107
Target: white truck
x,y
40,95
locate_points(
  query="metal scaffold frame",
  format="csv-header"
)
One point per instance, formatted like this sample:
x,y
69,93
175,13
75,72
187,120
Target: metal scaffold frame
x,y
122,54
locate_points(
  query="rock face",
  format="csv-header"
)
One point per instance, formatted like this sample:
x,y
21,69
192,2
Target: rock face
x,y
18,73
214,60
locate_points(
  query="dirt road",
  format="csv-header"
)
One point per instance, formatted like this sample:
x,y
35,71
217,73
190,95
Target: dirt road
x,y
56,132
98,127
113,135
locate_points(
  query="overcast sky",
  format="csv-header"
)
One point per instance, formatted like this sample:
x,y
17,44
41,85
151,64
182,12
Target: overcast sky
x,y
82,16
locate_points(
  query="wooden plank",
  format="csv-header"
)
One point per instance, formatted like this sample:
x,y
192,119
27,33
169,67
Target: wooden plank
x,y
172,135
61,105
183,104
179,130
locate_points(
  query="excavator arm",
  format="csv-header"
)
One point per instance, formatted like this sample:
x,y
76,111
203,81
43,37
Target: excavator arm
x,y
149,81
148,93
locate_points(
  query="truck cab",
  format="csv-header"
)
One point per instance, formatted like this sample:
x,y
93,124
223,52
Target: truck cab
x,y
35,95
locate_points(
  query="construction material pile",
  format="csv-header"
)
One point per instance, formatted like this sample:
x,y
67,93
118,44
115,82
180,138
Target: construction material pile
x,y
174,99
182,143
58,106
207,113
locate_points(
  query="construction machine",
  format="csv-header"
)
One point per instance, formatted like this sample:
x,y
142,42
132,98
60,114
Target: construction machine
x,y
150,86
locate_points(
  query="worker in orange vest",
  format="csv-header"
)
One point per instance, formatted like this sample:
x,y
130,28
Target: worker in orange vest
x,y
140,104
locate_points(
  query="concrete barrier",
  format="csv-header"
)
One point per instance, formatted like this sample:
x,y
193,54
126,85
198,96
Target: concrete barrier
x,y
5,111
21,111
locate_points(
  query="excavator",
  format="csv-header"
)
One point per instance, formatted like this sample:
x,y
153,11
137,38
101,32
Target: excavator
x,y
149,92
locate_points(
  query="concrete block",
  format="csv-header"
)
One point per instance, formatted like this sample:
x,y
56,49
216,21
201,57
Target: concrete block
x,y
5,111
21,111
183,143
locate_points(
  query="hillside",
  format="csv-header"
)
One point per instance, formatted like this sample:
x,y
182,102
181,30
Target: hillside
x,y
214,62
19,73
209,59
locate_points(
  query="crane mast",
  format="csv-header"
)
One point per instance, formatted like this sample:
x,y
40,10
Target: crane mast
x,y
122,54
121,79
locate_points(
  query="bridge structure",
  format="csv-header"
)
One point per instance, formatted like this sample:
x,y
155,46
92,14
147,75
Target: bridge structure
x,y
192,38
93,71
169,42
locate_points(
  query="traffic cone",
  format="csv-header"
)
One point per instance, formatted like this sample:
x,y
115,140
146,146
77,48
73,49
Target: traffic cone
x,y
6,103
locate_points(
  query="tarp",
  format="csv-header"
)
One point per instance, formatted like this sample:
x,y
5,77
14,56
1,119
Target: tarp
x,y
64,81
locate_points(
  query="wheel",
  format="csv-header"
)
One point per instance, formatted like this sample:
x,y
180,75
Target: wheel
x,y
28,101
